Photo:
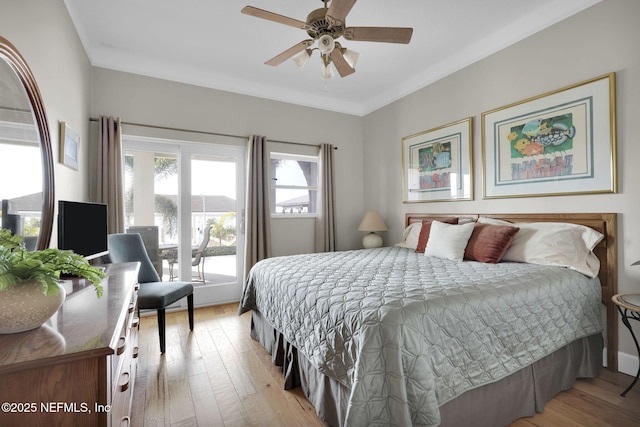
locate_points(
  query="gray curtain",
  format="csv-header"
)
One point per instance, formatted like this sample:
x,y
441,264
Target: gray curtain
x,y
258,213
109,180
326,215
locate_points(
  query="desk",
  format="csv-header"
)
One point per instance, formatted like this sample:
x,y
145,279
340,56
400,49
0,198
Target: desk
x,y
629,308
173,246
167,246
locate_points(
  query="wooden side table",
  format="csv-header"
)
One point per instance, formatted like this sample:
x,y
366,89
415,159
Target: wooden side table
x,y
629,308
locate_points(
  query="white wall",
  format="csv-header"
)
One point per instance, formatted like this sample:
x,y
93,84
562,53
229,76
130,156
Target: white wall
x,y
599,40
43,33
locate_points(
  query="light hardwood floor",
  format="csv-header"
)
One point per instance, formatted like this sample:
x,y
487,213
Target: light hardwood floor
x,y
218,376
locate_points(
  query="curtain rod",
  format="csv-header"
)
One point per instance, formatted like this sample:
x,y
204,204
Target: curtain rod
x,y
93,119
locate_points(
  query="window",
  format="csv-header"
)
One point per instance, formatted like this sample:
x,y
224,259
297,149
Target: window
x,y
294,184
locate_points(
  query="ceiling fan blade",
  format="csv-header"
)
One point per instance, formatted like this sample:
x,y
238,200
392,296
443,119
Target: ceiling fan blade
x,y
343,67
379,34
338,11
270,16
279,59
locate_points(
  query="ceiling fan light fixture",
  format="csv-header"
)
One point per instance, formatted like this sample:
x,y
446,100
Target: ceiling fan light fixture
x,y
325,25
351,56
326,70
302,58
326,44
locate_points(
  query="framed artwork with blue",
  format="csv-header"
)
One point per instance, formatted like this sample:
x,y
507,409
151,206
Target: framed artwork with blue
x,y
437,164
558,143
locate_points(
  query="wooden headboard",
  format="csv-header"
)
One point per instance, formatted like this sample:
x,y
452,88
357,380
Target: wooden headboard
x,y
605,223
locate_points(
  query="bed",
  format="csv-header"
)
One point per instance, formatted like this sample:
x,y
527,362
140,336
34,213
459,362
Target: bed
x,y
389,336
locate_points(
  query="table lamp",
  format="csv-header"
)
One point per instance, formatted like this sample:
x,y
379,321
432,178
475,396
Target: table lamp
x,y
372,222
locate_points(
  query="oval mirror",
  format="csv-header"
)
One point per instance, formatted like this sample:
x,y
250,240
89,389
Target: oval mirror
x,y
26,158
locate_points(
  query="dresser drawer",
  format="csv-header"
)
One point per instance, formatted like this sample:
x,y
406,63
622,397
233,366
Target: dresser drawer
x,y
124,364
121,406
127,343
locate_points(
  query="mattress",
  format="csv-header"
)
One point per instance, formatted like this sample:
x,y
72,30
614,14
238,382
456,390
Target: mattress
x,y
405,333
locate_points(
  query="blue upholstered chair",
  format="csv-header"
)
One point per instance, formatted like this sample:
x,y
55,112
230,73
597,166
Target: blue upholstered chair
x,y
153,293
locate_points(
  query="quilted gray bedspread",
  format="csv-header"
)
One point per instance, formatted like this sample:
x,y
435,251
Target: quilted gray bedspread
x,y
407,333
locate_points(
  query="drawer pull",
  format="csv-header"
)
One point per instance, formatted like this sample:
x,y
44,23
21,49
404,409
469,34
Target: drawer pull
x,y
132,307
123,384
135,352
135,322
122,344
125,422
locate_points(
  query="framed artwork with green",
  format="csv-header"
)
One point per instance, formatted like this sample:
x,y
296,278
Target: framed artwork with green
x,y
562,142
437,164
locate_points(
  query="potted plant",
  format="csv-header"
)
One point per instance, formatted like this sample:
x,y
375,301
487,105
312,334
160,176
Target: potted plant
x,y
30,292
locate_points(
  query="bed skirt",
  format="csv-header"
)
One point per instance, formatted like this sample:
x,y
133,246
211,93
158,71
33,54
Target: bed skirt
x,y
521,394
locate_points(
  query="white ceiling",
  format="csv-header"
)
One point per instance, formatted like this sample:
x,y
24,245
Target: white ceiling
x,y
210,43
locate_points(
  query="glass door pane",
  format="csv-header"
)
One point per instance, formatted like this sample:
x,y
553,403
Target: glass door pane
x,y
214,213
215,184
151,205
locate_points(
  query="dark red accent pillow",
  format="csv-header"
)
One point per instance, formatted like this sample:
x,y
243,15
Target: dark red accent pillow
x,y
426,229
488,243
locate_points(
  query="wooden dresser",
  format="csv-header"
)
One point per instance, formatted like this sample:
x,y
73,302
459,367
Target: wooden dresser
x,y
79,368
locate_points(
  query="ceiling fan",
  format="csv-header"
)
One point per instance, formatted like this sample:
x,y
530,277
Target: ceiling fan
x,y
325,25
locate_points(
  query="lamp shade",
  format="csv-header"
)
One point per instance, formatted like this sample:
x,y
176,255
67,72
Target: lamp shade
x,y
302,58
351,57
326,71
372,221
326,44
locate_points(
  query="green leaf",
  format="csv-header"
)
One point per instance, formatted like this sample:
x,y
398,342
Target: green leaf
x,y
44,266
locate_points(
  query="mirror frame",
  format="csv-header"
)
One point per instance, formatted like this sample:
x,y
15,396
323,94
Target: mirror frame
x,y
10,54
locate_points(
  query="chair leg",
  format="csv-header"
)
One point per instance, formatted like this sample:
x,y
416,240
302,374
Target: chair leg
x,y
200,269
190,310
161,329
170,271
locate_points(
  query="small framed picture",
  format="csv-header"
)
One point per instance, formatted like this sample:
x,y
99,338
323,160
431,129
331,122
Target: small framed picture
x,y
437,164
69,146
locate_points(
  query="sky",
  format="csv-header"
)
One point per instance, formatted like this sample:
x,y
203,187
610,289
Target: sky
x,y
218,178
20,171
211,178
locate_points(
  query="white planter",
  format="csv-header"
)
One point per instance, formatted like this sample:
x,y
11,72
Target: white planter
x,y
25,307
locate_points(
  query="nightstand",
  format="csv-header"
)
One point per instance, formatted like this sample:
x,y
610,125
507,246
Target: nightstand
x,y
629,308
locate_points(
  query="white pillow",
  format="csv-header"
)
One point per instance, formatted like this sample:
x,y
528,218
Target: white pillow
x,y
410,236
448,240
553,243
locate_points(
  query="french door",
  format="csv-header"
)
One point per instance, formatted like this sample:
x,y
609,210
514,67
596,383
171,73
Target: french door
x,y
179,191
